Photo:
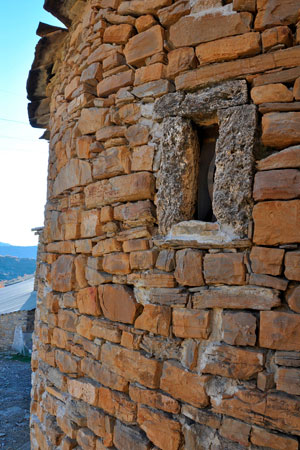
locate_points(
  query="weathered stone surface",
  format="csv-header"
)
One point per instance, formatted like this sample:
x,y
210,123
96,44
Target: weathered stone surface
x,y
179,60
285,159
190,31
169,15
160,347
271,93
91,119
111,162
116,263
118,303
87,301
152,279
168,296
149,73
90,224
128,114
118,34
279,330
266,260
276,36
296,89
229,48
276,222
189,267
244,5
182,385
204,103
137,135
277,184
274,12
143,45
162,431
139,7
264,438
233,207
155,319
142,158
289,359
266,280
189,323
75,173
100,424
63,273
288,380
232,69
154,89
264,410
110,332
236,297
179,161
92,74
235,431
239,328
293,299
126,438
230,361
281,129
132,365
83,390
292,265
117,404
227,268
110,132
114,83
201,416
137,186
154,399
144,22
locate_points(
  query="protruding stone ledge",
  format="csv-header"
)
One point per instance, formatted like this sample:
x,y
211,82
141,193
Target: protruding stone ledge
x,y
197,234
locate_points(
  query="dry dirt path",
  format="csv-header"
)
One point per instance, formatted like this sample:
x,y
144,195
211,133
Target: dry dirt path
x,y
15,385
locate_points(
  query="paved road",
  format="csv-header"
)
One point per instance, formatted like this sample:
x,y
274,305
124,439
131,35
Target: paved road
x,y
18,297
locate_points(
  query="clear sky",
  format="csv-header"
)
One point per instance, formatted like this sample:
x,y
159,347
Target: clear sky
x,y
23,157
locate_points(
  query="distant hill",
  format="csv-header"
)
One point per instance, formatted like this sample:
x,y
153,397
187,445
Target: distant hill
x,y
18,251
12,268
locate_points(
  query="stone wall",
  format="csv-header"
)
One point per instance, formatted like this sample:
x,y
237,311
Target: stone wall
x,y
8,324
154,330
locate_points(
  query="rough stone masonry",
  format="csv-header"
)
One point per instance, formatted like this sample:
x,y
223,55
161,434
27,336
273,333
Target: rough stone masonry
x,y
155,327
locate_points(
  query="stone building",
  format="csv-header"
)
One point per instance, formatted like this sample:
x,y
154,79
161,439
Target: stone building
x,y
169,298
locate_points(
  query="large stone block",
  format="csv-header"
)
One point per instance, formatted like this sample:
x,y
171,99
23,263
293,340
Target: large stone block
x,y
128,438
154,399
189,323
285,159
288,380
279,330
185,386
137,186
155,319
118,34
132,365
143,45
189,267
75,173
111,162
264,438
236,297
239,328
63,273
87,301
90,223
231,362
266,260
292,265
139,7
227,268
162,431
276,222
276,12
281,129
271,93
91,119
190,31
229,48
113,83
277,184
118,303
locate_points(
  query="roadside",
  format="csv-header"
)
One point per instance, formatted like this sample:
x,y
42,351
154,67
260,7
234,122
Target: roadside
x,y
15,386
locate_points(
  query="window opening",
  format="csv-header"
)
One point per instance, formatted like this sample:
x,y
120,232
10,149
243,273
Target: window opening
x,y
207,139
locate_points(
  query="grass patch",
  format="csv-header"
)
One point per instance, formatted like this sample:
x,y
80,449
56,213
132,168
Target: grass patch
x,y
22,358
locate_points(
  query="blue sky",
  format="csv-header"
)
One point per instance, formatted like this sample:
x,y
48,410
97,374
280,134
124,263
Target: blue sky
x,y
23,157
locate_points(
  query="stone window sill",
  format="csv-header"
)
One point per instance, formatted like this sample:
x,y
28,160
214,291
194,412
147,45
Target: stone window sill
x,y
197,234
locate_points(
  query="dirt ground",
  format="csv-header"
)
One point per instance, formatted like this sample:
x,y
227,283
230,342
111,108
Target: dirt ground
x,y
15,385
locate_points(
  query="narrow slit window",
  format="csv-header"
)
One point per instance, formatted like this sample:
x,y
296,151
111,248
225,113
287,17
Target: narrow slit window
x,y
207,139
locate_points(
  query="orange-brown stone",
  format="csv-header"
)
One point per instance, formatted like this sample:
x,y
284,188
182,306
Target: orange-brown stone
x,y
292,265
281,129
87,301
227,268
118,34
265,438
239,328
118,303
276,12
143,45
154,399
276,36
63,273
276,222
114,83
279,330
271,93
189,323
155,319
277,184
116,263
267,260
189,267
182,385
